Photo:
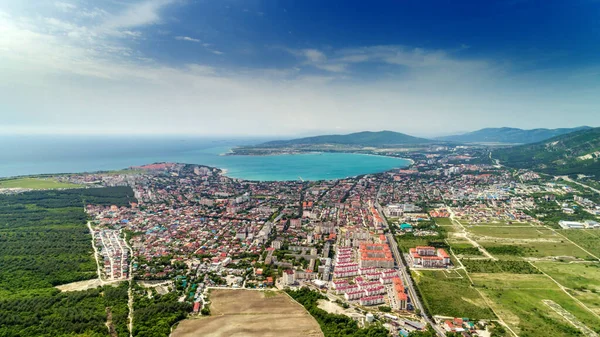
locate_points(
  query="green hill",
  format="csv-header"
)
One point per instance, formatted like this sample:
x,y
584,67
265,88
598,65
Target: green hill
x,y
365,138
573,153
510,135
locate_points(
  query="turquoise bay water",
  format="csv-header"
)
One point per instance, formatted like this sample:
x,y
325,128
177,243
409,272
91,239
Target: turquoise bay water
x,y
20,155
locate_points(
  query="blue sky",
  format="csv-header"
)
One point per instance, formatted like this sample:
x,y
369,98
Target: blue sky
x,y
297,67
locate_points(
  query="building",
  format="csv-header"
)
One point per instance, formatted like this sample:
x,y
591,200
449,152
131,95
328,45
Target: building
x,y
429,257
288,277
375,255
354,295
571,224
371,300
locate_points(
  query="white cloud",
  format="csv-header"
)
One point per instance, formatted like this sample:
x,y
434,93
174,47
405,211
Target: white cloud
x,y
65,6
314,55
143,13
77,75
186,38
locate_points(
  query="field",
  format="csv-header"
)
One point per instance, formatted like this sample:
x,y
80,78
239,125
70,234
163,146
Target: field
x,y
443,221
539,249
582,278
589,239
519,300
450,294
507,232
250,313
35,183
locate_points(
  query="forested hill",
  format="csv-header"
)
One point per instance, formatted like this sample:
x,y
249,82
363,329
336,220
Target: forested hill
x,y
511,135
573,153
365,138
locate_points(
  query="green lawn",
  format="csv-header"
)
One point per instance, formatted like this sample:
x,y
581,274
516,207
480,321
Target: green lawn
x,y
35,183
450,294
517,299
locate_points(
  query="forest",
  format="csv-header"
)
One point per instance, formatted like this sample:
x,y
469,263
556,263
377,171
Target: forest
x,y
44,242
154,316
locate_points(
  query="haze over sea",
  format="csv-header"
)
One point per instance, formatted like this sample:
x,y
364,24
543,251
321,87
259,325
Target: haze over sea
x,y
26,155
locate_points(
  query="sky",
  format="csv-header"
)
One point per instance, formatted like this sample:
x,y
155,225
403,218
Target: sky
x,y
296,68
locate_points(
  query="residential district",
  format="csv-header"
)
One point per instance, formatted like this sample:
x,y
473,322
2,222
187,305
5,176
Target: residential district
x,y
364,242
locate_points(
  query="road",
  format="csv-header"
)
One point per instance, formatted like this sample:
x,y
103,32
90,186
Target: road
x,y
578,183
130,279
410,285
406,278
99,271
465,234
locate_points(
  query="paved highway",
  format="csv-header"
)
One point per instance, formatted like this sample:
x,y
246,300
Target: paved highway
x,y
407,279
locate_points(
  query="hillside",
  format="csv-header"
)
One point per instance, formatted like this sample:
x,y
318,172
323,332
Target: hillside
x,y
510,135
573,153
365,138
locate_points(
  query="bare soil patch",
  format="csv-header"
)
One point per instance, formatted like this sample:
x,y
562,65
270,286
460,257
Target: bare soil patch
x,y
237,312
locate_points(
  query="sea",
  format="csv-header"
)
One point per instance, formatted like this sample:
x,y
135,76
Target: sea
x,y
43,154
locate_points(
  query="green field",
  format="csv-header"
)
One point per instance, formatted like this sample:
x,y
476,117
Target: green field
x,y
517,299
507,232
538,249
443,221
464,249
582,278
586,238
450,294
497,224
35,183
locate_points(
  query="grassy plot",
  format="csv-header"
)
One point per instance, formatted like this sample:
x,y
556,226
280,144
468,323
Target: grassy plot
x,y
443,221
501,266
518,300
582,278
507,232
500,224
35,183
450,294
586,238
537,249
464,249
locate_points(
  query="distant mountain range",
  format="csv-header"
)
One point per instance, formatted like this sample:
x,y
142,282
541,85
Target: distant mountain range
x,y
573,153
510,135
365,138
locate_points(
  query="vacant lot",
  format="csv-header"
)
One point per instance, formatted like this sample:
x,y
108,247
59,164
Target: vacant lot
x,y
35,183
450,294
518,300
443,221
536,249
507,232
250,313
589,239
582,278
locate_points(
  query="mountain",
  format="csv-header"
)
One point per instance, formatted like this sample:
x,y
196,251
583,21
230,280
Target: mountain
x,y
365,138
573,153
510,135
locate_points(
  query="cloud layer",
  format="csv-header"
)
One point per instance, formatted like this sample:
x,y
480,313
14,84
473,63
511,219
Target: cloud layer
x,y
78,68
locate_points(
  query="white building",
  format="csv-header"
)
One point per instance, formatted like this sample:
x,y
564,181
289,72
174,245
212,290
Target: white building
x,y
571,224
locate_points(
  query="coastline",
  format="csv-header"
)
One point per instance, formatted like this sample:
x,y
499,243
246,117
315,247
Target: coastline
x,y
311,165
